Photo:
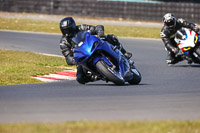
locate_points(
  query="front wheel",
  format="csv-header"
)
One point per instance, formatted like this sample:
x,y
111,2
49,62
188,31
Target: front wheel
x,y
107,72
197,54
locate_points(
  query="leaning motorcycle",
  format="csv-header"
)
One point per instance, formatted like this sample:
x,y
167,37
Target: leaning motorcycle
x,y
189,44
103,60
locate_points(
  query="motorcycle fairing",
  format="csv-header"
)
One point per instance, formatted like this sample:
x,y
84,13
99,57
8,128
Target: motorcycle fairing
x,y
91,44
87,48
120,59
102,58
186,42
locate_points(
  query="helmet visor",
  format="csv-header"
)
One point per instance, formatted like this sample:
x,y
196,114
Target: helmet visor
x,y
170,23
68,31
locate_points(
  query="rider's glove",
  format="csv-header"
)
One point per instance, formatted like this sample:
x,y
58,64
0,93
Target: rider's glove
x,y
175,50
178,52
198,33
100,31
197,30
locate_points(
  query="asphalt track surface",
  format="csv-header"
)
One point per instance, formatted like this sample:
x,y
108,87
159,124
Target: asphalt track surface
x,y
165,93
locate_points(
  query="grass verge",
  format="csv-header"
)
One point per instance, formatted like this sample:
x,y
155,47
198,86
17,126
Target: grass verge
x,y
53,27
16,67
104,127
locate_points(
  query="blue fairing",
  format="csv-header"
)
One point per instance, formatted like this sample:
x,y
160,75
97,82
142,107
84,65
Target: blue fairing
x,y
119,57
91,44
198,39
86,49
186,52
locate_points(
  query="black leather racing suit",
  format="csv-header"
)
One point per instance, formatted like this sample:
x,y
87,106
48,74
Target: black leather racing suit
x,y
168,34
66,47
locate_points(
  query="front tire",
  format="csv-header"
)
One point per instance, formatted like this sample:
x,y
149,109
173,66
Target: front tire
x,y
106,71
197,55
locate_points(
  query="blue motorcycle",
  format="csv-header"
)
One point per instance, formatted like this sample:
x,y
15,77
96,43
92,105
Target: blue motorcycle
x,y
102,59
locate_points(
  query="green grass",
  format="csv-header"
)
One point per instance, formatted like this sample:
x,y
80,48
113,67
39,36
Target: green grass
x,y
132,31
104,127
17,67
53,27
29,25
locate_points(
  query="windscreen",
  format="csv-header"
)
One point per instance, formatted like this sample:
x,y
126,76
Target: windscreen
x,y
79,38
181,34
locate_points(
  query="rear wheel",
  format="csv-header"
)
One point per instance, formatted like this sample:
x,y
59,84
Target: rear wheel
x,y
107,72
136,76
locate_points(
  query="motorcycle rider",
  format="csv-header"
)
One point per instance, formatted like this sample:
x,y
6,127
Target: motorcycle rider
x,y
69,29
171,25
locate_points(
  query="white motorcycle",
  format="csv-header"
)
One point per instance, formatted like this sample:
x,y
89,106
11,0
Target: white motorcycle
x,y
189,44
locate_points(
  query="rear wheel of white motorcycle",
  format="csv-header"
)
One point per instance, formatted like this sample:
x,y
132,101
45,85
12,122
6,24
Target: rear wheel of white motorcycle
x,y
107,72
136,77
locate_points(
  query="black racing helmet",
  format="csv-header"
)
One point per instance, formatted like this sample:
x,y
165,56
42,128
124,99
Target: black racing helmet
x,y
169,20
68,26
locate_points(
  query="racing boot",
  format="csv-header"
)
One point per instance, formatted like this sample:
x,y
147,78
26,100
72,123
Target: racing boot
x,y
172,59
169,59
126,54
189,60
91,77
94,78
84,77
80,75
120,47
115,42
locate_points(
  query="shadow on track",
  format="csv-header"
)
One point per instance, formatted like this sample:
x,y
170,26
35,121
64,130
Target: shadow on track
x,y
195,66
110,84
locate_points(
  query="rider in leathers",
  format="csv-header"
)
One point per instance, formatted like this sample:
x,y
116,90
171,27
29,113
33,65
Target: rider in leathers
x,y
69,29
171,25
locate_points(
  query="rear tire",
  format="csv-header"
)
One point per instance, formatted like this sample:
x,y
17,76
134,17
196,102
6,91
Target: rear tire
x,y
107,72
136,77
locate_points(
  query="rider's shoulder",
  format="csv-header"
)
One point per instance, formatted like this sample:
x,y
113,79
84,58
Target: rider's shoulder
x,y
80,27
180,20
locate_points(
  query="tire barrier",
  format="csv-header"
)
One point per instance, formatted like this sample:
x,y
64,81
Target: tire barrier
x,y
125,9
